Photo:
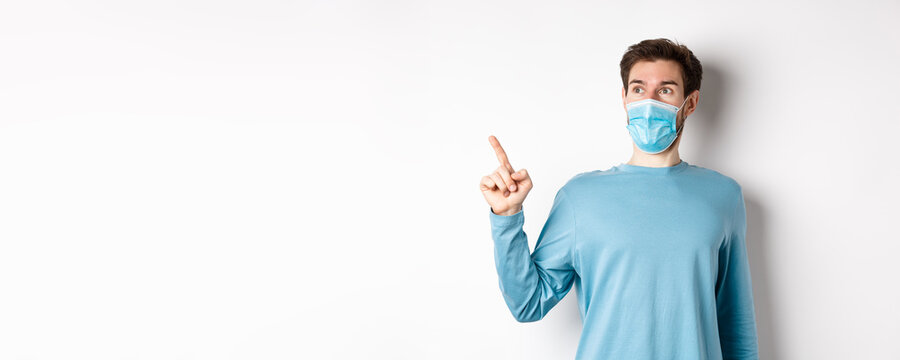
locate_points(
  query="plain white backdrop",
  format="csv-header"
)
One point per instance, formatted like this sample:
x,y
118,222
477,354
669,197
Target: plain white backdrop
x,y
299,180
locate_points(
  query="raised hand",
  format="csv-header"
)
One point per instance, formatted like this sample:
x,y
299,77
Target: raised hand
x,y
504,189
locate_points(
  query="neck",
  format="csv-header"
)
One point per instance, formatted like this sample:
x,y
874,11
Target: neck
x,y
670,157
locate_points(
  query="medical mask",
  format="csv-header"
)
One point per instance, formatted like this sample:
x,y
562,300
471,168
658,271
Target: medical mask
x,y
652,124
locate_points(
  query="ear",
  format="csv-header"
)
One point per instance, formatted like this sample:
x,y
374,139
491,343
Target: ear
x,y
691,104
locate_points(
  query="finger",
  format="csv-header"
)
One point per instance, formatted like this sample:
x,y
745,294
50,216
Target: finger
x,y
487,183
500,185
523,179
504,174
501,155
519,175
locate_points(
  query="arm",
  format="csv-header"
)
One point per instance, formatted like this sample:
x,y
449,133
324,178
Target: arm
x,y
734,292
533,283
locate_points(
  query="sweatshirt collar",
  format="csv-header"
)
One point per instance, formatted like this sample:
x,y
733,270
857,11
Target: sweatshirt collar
x,y
664,170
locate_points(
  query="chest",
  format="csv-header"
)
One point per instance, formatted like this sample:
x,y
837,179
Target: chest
x,y
659,228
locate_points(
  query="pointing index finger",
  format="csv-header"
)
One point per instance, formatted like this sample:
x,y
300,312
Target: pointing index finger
x,y
501,155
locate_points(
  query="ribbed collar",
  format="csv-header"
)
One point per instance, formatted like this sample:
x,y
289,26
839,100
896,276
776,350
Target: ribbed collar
x,y
664,170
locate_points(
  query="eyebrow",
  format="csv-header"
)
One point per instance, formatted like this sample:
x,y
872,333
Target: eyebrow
x,y
665,82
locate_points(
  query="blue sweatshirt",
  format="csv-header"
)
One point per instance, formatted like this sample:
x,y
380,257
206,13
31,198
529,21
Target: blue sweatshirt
x,y
657,256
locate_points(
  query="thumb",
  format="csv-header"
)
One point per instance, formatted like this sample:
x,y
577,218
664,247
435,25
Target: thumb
x,y
518,175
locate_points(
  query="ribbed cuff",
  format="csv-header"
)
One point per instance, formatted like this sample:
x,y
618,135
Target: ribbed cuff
x,y
499,221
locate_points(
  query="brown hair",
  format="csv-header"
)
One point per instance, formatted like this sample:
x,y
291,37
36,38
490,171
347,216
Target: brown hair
x,y
664,49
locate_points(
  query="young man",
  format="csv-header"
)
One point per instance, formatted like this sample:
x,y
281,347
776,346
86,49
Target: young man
x,y
655,247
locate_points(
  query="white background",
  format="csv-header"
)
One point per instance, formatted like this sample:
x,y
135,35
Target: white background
x,y
299,180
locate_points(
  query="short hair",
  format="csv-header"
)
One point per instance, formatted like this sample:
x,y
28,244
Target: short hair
x,y
664,49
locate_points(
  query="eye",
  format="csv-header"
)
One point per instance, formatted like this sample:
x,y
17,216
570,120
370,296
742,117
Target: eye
x,y
637,90
667,90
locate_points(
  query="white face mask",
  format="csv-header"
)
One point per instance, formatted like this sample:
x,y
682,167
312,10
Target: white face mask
x,y
652,124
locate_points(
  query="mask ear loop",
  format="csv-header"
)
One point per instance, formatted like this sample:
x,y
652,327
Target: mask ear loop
x,y
678,130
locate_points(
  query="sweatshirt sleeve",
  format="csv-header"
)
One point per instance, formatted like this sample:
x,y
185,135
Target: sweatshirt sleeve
x,y
734,292
532,284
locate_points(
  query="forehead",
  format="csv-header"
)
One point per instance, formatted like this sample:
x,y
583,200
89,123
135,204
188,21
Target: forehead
x,y
654,72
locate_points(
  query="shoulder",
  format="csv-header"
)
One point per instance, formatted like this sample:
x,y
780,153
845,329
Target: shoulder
x,y
586,178
720,187
715,178
587,184
579,180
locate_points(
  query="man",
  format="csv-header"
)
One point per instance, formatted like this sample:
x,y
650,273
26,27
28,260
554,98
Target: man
x,y
655,247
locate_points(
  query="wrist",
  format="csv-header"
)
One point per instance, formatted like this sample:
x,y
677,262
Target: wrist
x,y
509,212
